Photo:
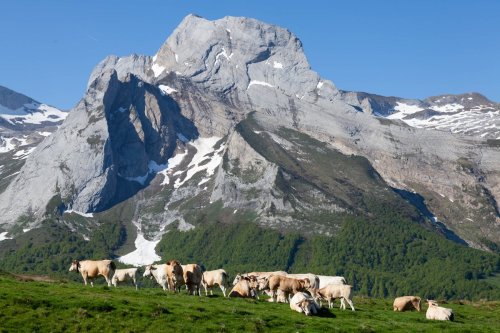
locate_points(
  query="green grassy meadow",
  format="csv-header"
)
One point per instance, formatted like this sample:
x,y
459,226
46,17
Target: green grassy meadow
x,y
63,306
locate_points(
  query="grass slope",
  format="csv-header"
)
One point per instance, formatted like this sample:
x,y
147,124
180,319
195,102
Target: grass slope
x,y
71,307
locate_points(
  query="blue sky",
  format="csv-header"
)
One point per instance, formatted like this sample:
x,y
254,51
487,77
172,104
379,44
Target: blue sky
x,y
412,49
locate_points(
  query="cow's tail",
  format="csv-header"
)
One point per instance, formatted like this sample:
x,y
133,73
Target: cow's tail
x,y
344,281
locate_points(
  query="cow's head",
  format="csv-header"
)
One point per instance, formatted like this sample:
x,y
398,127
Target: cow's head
x,y
305,305
237,278
75,266
262,283
416,303
431,302
148,271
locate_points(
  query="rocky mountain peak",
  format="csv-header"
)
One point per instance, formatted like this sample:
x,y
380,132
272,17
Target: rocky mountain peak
x,y
237,53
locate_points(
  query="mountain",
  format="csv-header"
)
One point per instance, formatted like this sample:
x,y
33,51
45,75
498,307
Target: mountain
x,y
24,123
228,124
470,114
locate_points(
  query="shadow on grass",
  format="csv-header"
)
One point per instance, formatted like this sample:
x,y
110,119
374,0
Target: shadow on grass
x,y
325,313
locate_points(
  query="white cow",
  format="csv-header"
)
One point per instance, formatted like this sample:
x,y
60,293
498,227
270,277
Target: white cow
x,y
435,312
212,278
304,303
122,275
325,280
159,272
334,291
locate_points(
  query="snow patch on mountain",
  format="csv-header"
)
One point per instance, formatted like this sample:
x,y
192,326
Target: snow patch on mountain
x,y
3,236
32,113
166,89
259,83
144,253
204,147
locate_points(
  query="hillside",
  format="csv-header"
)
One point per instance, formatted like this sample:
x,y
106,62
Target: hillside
x,y
70,307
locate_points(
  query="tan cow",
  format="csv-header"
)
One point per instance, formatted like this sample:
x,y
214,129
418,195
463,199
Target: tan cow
x,y
258,275
90,269
192,278
289,286
175,275
217,277
245,287
405,303
334,291
159,273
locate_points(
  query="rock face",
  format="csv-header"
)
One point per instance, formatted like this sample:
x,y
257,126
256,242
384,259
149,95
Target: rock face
x,y
24,123
229,113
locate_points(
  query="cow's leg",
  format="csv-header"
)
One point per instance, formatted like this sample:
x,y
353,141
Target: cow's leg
x,y
223,290
330,303
206,289
84,276
342,303
350,304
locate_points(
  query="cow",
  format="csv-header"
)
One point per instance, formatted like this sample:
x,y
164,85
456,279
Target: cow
x,y
159,272
435,312
304,303
245,287
192,278
312,278
325,280
212,278
258,275
90,269
175,275
405,303
286,284
122,275
334,291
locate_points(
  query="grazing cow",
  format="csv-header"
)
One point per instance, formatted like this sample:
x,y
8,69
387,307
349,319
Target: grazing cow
x,y
192,278
304,303
159,272
90,269
217,277
334,291
245,287
286,284
258,275
435,312
122,275
325,280
405,303
175,275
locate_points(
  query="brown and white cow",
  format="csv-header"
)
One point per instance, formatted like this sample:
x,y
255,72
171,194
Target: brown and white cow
x,y
175,275
289,286
216,277
192,278
90,269
245,287
405,303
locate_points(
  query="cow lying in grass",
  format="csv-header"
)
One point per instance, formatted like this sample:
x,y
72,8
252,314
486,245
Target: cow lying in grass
x,y
246,287
436,312
304,303
405,303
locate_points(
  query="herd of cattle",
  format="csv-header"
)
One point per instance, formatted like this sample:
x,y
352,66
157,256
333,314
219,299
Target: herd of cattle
x,y
301,291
